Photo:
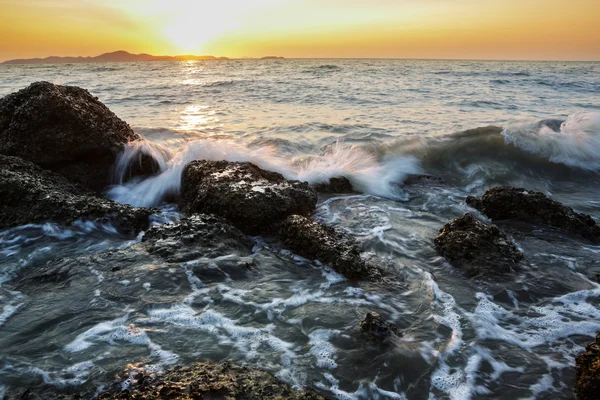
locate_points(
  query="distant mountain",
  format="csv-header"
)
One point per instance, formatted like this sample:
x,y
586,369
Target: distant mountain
x,y
117,56
272,58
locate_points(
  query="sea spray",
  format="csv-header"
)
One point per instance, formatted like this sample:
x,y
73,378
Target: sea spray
x,y
361,167
576,144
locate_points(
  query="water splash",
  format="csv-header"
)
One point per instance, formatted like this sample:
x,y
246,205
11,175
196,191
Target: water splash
x,y
362,168
576,144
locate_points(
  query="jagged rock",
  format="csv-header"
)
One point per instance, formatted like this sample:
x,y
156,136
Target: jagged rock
x,y
200,235
417,179
65,129
207,380
478,248
29,194
376,329
251,198
338,184
587,372
504,203
316,241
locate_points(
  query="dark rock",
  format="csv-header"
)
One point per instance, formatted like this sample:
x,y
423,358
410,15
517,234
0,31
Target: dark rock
x,y
200,235
505,203
337,184
376,329
65,129
587,372
207,380
554,124
251,198
420,179
29,194
316,241
478,248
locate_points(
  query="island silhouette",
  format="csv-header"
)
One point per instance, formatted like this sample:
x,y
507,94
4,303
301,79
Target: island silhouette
x,y
117,56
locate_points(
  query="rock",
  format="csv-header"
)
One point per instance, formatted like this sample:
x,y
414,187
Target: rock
x,y
200,235
207,380
251,198
324,243
376,329
338,184
421,179
504,203
29,194
587,372
65,129
478,248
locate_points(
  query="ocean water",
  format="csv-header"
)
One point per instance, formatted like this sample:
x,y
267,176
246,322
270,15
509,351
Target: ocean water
x,y
375,122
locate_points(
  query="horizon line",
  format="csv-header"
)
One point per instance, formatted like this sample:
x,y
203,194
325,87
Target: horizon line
x,y
216,58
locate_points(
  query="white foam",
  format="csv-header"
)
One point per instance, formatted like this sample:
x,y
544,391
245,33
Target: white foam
x,y
75,375
577,144
362,168
322,349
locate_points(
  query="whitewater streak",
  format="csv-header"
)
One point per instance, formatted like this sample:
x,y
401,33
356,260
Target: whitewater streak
x,y
378,171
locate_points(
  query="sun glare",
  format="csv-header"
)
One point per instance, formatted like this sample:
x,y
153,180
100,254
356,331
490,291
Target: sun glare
x,y
189,35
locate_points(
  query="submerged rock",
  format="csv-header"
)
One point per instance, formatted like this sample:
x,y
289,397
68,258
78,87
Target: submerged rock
x,y
200,235
504,203
207,380
338,184
478,248
316,241
251,198
587,372
29,194
65,129
376,329
421,179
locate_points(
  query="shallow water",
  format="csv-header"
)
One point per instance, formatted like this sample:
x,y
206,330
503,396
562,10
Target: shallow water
x,y
374,121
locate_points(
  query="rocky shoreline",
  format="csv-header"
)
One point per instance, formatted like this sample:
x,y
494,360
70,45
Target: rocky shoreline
x,y
58,147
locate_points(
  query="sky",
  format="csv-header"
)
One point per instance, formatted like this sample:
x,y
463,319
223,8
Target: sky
x,y
438,29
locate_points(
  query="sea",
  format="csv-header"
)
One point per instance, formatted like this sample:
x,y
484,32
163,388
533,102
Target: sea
x,y
375,122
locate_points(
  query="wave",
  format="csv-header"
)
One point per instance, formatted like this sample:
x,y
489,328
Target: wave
x,y
576,143
525,154
362,167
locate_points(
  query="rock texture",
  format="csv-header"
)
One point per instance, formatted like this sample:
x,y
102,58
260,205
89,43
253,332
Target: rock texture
x,y
376,329
338,184
417,179
209,381
504,203
251,198
587,372
65,129
29,194
200,235
478,248
316,241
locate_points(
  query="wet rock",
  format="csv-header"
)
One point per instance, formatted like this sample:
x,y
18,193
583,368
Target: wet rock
x,y
251,198
479,249
376,329
200,235
207,380
554,124
506,203
422,179
316,241
587,372
65,129
338,184
29,194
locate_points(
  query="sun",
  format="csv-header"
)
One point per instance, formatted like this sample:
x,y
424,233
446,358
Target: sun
x,y
190,33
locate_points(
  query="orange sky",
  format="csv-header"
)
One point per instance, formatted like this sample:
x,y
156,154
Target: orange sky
x,y
479,29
